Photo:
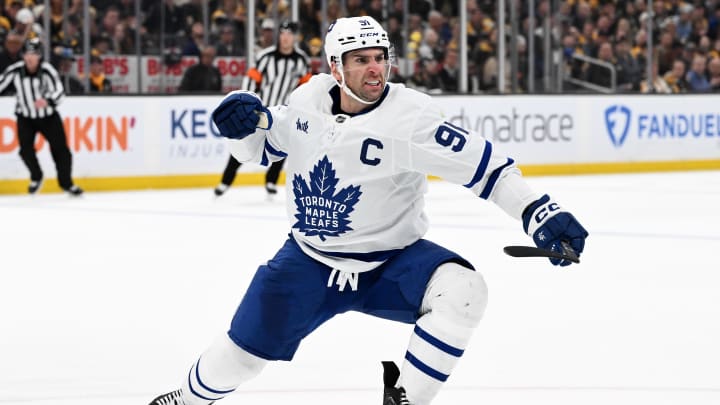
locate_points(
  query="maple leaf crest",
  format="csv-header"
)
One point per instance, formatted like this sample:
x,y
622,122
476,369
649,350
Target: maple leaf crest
x,y
320,211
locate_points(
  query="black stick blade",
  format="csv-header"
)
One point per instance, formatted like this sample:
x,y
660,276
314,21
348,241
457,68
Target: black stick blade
x,y
530,251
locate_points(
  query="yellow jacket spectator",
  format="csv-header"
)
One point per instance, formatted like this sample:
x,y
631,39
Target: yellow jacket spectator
x,y
98,82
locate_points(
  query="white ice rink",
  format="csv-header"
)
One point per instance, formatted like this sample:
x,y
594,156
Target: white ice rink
x,y
107,300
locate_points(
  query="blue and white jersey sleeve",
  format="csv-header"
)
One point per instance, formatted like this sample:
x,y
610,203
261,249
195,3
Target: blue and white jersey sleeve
x,y
465,157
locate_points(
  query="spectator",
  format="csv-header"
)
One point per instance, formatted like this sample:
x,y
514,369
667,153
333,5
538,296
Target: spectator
x,y
714,74
121,42
697,81
227,44
11,52
5,23
267,35
430,46
192,10
426,77
25,24
659,86
623,30
675,77
65,59
582,15
687,54
449,73
202,76
109,20
101,45
234,13
666,51
683,22
314,49
573,66
310,17
98,82
171,20
704,45
11,9
375,10
438,23
629,72
715,51
585,39
196,40
598,74
126,8
71,35
395,35
699,30
354,8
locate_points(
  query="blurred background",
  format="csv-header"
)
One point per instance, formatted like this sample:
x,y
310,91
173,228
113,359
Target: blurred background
x,y
443,46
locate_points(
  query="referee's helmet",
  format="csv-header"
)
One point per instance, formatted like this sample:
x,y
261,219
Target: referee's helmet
x,y
33,45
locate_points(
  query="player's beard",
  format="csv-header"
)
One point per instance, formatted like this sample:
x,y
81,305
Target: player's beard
x,y
368,92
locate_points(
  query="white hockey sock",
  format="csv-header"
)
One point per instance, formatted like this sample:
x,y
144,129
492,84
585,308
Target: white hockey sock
x,y
454,303
219,371
434,350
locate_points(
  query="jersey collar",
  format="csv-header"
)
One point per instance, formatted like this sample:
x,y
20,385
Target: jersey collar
x,y
335,95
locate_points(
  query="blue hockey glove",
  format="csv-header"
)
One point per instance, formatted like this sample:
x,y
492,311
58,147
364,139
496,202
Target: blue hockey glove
x,y
549,226
239,113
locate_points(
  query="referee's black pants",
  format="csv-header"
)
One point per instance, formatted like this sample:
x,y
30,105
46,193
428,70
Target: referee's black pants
x,y
52,129
271,176
273,173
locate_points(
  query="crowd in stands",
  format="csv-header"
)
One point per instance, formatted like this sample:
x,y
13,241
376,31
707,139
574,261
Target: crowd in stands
x,y
685,37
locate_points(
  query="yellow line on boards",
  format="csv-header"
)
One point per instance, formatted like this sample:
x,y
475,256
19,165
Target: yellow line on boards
x,y
246,179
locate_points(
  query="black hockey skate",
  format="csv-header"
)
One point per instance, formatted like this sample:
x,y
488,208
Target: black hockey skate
x,y
392,395
171,398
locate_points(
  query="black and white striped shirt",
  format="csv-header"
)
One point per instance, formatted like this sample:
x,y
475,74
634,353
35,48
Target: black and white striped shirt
x,y
43,84
275,75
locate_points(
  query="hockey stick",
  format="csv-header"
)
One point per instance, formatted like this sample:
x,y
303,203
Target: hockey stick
x,y
528,251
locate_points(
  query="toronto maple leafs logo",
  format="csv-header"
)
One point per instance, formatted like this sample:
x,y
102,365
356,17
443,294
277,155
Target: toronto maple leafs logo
x,y
320,211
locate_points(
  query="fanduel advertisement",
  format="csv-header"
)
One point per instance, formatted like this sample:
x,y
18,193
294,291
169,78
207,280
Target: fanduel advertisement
x,y
660,128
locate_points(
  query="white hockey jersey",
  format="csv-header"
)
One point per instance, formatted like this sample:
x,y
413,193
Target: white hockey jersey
x,y
355,184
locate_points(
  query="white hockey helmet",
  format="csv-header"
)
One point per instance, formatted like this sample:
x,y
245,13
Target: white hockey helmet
x,y
351,33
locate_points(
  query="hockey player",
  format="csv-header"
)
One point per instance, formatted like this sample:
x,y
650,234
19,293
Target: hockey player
x,y
358,151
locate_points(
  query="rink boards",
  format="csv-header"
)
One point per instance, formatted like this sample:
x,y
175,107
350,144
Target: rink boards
x,y
129,142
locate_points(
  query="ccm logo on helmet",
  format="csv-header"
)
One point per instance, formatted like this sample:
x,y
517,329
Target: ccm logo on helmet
x,y
369,34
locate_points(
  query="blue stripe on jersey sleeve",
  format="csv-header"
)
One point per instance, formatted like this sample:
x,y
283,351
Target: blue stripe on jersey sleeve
x,y
480,171
493,179
274,151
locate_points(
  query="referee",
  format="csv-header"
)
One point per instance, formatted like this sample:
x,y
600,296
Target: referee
x,y
278,70
38,90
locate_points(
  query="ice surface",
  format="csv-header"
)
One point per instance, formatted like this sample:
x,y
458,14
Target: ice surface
x,y
108,299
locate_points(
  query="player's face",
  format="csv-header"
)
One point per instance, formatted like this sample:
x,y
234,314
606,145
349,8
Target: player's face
x,y
365,72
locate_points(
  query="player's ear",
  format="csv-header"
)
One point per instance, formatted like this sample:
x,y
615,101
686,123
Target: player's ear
x,y
334,72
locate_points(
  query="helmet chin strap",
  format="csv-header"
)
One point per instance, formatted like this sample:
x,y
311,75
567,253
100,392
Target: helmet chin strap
x,y
349,92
